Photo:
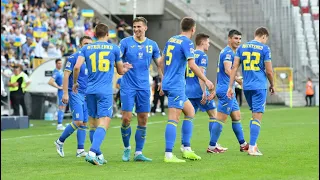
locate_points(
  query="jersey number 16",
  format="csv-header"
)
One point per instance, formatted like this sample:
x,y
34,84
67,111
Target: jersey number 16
x,y
104,64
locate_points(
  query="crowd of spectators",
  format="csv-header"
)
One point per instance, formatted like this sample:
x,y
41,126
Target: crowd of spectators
x,y
40,29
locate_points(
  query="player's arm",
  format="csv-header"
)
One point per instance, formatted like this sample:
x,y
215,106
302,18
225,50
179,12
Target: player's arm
x,y
158,62
52,82
76,69
202,84
236,64
121,67
157,58
269,71
196,70
65,84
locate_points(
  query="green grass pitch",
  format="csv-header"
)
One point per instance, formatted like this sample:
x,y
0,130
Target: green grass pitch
x,y
289,140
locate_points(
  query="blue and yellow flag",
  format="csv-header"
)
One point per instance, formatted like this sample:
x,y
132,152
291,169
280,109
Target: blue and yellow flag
x,y
40,32
61,3
87,12
112,34
3,4
17,42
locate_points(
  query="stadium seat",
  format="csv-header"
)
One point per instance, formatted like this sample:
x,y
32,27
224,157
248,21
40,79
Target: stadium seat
x,y
296,10
315,9
314,3
295,2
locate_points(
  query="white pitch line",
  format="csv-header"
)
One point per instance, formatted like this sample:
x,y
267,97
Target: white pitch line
x,y
52,134
154,122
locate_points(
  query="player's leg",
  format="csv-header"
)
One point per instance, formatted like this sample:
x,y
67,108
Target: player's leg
x,y
223,110
187,129
237,126
195,104
61,110
77,120
104,112
81,132
175,106
258,98
210,108
127,97
142,102
93,124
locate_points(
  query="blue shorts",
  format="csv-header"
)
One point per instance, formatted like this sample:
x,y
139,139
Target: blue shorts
x,y
210,105
78,107
256,99
100,105
176,99
131,97
226,105
60,94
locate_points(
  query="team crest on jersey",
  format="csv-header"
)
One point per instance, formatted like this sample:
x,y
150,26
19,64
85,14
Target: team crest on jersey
x,y
140,55
203,61
68,64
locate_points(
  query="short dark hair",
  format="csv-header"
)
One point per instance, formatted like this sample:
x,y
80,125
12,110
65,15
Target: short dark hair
x,y
187,23
261,31
200,37
140,19
101,30
57,60
234,32
84,37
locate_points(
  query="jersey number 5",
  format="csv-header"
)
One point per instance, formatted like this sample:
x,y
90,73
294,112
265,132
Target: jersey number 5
x,y
249,64
104,64
169,54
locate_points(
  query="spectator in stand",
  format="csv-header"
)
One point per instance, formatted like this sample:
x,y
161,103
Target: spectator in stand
x,y
120,29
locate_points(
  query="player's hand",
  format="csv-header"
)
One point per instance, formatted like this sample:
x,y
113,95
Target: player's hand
x,y
230,93
204,98
75,87
209,84
127,66
212,95
65,98
271,90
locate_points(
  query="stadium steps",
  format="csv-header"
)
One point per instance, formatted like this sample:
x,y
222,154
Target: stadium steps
x,y
180,9
298,98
